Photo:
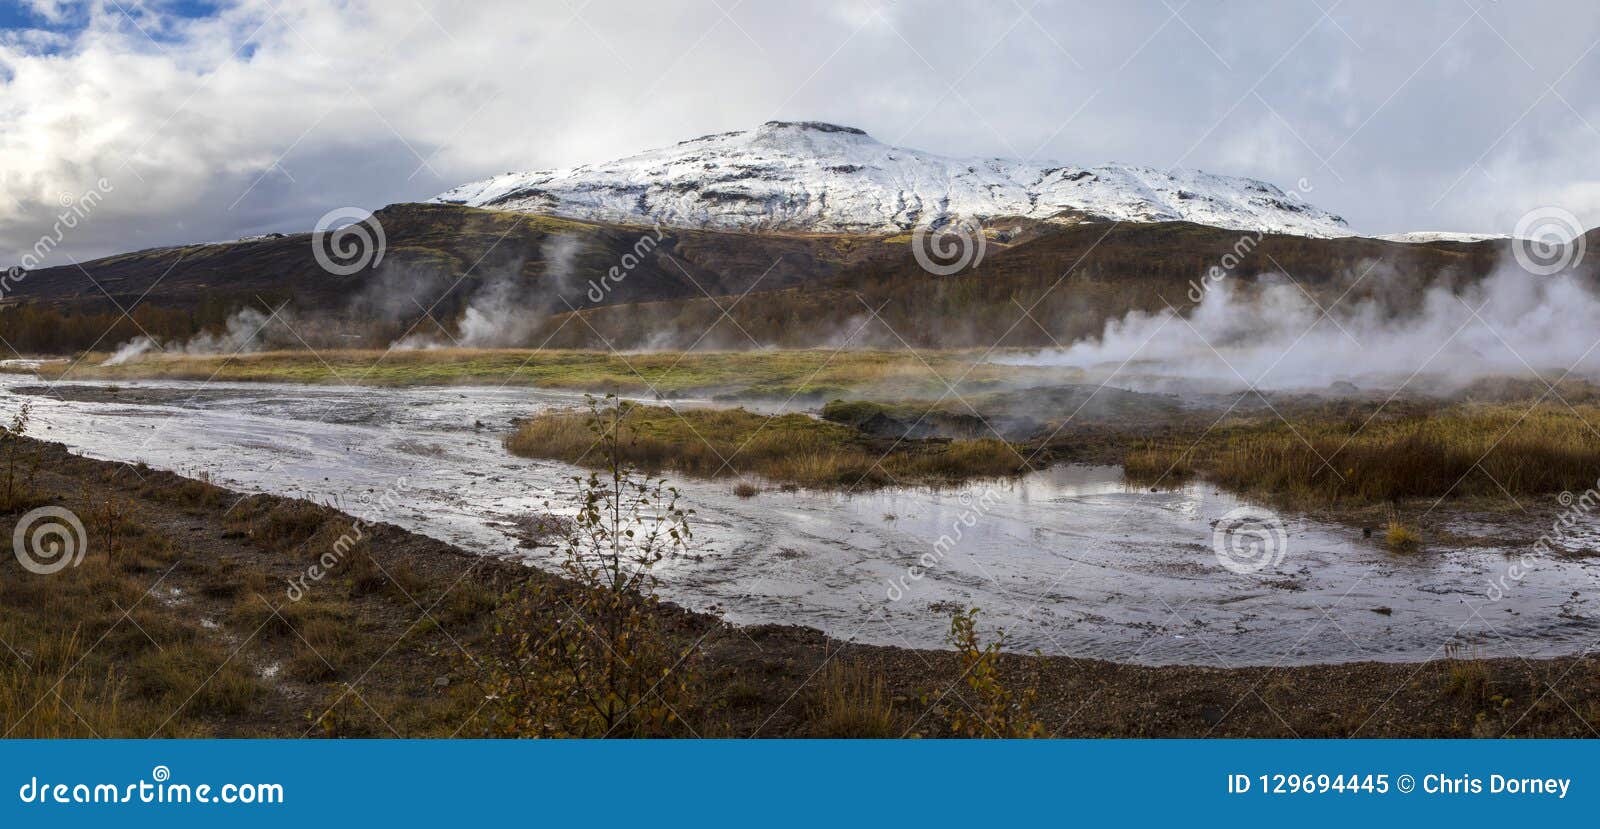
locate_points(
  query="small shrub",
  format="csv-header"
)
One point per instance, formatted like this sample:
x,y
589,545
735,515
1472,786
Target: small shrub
x,y
592,658
11,442
991,709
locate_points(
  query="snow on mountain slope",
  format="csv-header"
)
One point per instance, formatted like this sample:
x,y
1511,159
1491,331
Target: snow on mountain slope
x,y
815,177
1425,236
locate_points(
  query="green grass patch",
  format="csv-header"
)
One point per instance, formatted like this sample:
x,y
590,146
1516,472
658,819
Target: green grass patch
x,y
791,448
805,374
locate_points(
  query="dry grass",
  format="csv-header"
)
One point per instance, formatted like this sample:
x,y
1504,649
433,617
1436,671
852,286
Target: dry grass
x,y
93,656
167,626
1402,538
804,373
790,448
1463,450
1468,677
848,701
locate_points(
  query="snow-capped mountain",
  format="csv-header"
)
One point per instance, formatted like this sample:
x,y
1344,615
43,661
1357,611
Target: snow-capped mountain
x,y
814,177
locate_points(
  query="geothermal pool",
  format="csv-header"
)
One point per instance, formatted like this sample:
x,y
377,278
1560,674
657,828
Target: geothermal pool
x,y
1068,560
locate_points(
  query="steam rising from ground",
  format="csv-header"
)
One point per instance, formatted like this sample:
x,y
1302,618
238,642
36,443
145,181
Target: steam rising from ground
x,y
129,350
1273,336
1387,330
242,333
506,310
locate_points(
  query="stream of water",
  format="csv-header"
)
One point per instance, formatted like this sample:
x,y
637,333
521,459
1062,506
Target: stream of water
x,y
1068,560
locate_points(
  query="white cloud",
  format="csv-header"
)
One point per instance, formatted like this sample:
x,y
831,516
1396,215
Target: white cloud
x,y
268,114
51,11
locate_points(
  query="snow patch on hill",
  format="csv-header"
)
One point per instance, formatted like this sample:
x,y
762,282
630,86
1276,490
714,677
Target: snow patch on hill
x,y
1425,236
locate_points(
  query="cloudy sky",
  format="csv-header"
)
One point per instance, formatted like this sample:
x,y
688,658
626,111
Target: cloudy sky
x,y
211,120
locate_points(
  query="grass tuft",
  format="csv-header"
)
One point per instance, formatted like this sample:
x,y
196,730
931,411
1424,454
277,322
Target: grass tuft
x,y
850,702
1402,538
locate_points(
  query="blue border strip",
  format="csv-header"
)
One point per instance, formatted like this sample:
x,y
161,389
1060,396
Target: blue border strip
x,y
791,783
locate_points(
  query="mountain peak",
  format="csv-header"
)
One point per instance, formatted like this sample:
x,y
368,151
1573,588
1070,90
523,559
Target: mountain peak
x,y
813,176
811,126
